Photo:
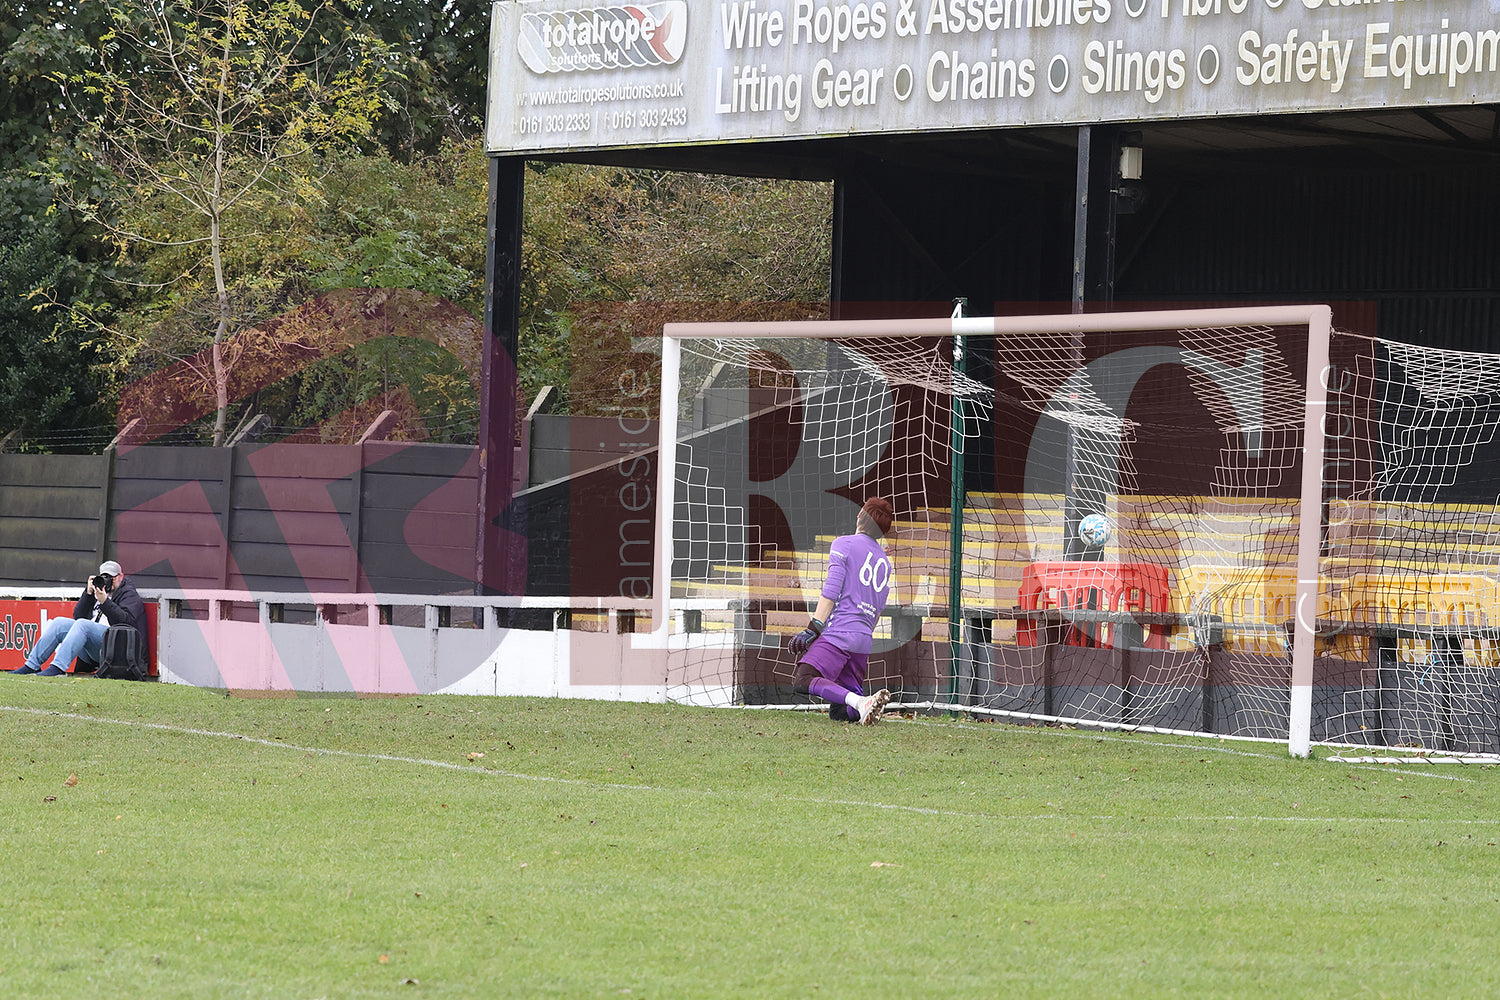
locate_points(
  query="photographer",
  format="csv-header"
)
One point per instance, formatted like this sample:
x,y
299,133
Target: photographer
x,y
108,599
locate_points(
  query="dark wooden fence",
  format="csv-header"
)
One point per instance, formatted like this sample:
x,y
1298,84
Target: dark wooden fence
x,y
52,524
373,518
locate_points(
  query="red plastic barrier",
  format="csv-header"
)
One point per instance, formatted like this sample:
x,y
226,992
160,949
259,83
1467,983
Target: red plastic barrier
x,y
1093,586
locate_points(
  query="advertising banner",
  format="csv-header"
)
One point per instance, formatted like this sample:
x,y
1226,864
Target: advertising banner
x,y
576,74
21,622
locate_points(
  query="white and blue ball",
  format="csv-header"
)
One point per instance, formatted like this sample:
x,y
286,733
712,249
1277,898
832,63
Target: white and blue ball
x,y
1094,530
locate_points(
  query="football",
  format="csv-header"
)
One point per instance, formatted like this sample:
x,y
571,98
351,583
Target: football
x,y
1094,530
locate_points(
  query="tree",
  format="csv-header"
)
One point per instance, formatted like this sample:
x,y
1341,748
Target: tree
x,y
218,118
51,262
384,224
661,241
421,225
121,99
440,55
710,237
45,357
39,43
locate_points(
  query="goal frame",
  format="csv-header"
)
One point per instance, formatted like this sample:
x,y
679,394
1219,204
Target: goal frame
x,y
1317,318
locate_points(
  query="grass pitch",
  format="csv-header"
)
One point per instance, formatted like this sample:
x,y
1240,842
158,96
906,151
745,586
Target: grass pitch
x,y
168,842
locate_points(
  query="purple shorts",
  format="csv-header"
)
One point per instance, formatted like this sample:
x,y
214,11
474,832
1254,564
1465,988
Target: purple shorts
x,y
844,669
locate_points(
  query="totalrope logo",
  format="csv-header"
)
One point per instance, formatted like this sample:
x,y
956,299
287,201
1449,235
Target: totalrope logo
x,y
593,38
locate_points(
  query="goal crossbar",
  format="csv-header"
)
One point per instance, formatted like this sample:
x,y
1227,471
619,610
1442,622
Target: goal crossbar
x,y
1288,315
1316,318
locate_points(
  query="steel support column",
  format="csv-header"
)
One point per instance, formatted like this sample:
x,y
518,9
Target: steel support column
x,y
1093,281
1094,217
500,555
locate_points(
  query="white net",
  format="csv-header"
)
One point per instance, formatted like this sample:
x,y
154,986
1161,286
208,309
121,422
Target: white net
x,y
1412,557
1186,443
779,444
1130,515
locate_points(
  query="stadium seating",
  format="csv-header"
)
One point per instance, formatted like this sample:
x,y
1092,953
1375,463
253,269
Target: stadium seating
x,y
1225,560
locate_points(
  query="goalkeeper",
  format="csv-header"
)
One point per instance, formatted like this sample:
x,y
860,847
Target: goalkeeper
x,y
833,652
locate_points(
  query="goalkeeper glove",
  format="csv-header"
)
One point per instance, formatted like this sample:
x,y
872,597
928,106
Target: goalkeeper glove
x,y
802,640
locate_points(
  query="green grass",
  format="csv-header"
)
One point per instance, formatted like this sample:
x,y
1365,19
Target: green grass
x,y
319,847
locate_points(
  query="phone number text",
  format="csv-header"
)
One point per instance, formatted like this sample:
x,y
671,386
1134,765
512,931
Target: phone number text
x,y
585,121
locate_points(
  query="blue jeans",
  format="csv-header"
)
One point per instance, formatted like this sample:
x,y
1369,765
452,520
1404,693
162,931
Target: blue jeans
x,y
69,638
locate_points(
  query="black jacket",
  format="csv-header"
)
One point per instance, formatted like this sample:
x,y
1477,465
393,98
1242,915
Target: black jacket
x,y
123,607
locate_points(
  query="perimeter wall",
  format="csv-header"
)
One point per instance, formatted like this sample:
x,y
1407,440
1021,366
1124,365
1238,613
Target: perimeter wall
x,y
379,517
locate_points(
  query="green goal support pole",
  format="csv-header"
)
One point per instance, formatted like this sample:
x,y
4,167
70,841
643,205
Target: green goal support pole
x,y
956,520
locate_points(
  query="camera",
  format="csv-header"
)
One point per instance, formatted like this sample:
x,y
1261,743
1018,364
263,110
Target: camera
x,y
103,582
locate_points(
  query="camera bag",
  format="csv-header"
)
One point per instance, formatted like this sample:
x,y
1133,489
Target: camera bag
x,y
123,655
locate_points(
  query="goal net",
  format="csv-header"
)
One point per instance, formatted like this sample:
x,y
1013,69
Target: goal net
x,y
1230,522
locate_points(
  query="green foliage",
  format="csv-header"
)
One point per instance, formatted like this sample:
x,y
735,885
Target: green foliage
x,y
386,224
37,123
217,118
437,54
731,239
213,104
574,214
606,234
421,225
46,381
489,847
344,154
340,394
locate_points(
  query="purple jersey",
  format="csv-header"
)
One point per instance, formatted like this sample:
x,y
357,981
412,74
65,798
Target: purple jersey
x,y
859,582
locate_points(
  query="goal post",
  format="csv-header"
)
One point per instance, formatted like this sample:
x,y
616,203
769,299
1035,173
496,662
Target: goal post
x,y
1245,582
1309,530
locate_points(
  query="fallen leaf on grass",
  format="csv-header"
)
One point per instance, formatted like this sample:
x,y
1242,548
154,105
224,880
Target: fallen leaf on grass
x,y
473,756
71,780
383,959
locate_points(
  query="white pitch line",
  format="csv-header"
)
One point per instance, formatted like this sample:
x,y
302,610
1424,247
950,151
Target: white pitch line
x,y
282,744
1371,764
471,769
462,768
617,786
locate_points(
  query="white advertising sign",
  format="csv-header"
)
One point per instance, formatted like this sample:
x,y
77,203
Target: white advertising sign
x,y
591,74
